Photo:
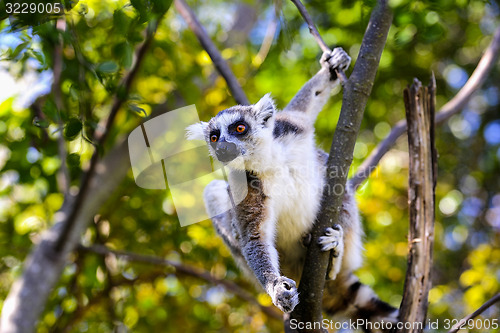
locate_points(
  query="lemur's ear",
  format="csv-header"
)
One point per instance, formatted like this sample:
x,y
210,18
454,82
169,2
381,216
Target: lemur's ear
x,y
264,109
196,131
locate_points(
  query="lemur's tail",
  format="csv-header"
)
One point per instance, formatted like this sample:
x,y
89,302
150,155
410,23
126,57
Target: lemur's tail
x,y
346,295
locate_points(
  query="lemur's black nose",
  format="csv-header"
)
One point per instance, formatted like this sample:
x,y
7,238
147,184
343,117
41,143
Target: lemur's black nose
x,y
226,151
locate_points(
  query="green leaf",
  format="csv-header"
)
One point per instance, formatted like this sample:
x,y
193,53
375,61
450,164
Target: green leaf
x,y
20,48
72,128
141,7
161,6
107,67
39,56
124,52
138,109
73,92
50,110
73,160
120,22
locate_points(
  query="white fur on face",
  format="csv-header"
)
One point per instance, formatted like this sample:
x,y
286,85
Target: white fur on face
x,y
196,131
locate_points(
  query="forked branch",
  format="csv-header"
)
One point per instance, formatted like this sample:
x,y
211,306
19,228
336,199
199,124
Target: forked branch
x,y
455,105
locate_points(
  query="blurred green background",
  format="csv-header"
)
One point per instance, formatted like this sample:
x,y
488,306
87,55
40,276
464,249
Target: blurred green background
x,y
97,294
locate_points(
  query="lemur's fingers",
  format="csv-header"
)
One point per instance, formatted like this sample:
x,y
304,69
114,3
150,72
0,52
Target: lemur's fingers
x,y
285,295
336,59
332,239
339,59
325,57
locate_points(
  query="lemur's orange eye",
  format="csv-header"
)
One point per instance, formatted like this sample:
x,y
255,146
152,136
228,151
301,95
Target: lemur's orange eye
x,y
213,138
240,128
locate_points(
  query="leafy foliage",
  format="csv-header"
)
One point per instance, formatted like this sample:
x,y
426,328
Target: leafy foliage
x,y
101,294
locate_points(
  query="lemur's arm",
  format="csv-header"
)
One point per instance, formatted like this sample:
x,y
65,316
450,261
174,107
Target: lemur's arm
x,y
314,94
256,224
248,231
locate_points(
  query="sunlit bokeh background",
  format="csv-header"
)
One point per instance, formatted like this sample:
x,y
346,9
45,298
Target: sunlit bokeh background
x,y
268,53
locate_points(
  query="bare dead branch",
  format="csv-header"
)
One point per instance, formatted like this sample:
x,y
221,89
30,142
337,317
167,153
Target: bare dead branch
x,y
476,313
420,107
356,92
205,41
314,31
183,269
455,105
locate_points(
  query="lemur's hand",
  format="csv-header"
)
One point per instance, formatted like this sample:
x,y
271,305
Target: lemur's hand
x,y
284,294
337,58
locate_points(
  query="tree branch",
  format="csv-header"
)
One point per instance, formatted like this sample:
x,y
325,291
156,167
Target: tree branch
x,y
420,107
356,92
455,105
312,29
43,267
182,269
205,41
476,313
97,298
101,136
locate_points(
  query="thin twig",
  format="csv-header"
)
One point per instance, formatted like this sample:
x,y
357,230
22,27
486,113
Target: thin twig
x,y
63,174
205,41
312,29
185,270
83,99
120,97
455,105
476,313
266,43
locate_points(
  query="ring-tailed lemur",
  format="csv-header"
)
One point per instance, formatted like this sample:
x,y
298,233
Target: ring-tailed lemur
x,y
286,175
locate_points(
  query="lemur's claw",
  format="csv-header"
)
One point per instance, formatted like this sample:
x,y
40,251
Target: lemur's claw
x,y
333,237
337,58
285,295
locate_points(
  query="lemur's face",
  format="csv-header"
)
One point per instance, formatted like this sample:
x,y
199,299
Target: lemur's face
x,y
237,131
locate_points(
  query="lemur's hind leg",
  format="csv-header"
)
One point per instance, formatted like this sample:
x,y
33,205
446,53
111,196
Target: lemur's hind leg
x,y
333,241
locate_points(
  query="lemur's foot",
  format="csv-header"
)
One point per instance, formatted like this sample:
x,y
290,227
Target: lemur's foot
x,y
337,58
333,240
285,295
